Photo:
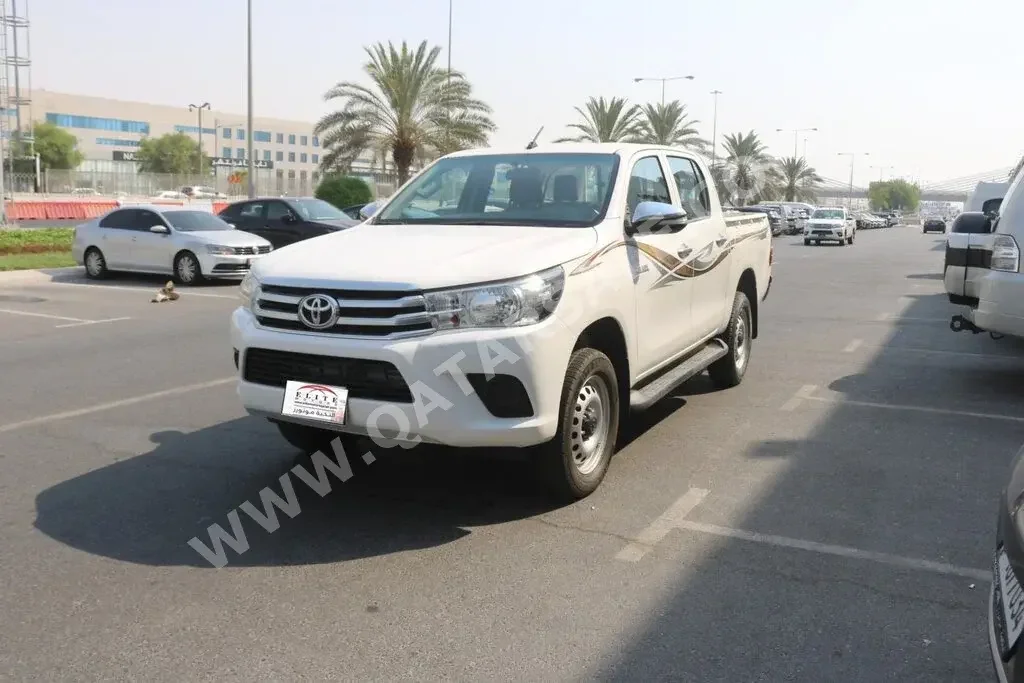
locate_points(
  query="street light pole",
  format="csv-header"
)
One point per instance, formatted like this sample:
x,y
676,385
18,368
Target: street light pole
x,y
199,108
853,157
248,136
882,170
663,82
714,128
796,136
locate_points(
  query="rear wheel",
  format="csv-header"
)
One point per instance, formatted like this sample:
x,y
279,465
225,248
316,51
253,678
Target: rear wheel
x,y
95,264
728,371
574,462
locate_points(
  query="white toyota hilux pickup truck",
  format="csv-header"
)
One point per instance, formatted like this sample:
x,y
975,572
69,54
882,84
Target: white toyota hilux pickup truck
x,y
508,299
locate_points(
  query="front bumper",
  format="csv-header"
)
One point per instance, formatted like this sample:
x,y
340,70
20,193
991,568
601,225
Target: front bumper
x,y
541,356
234,266
1000,307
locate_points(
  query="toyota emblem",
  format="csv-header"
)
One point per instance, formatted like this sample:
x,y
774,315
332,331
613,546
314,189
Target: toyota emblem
x,y
318,311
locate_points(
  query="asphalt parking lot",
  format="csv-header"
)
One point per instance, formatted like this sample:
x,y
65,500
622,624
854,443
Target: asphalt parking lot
x,y
831,519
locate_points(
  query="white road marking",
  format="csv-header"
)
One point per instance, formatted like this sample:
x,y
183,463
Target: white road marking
x,y
93,322
659,528
840,551
184,293
803,392
44,315
853,346
903,303
911,349
115,404
917,409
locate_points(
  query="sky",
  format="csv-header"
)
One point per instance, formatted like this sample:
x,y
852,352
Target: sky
x,y
929,89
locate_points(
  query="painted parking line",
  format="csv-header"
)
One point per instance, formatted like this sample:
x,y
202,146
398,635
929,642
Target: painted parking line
x,y
74,322
659,528
853,346
186,293
10,427
914,409
793,403
838,551
94,322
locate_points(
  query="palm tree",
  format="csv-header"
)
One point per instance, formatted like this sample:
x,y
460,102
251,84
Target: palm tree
x,y
798,180
415,109
748,174
668,124
613,120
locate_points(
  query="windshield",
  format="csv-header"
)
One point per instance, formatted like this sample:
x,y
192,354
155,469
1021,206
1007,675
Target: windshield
x,y
559,190
829,214
195,221
318,210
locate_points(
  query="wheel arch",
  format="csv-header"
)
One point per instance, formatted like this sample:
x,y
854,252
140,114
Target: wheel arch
x,y
748,285
607,336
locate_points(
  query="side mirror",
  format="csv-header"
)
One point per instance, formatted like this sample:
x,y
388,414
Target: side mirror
x,y
160,229
368,210
231,225
650,216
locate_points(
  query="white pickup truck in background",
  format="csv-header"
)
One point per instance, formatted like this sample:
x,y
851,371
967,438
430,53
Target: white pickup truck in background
x,y
508,298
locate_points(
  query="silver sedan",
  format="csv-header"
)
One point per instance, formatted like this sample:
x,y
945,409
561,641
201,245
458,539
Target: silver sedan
x,y
189,244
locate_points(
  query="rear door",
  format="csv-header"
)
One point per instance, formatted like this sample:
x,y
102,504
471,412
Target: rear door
x,y
116,237
250,217
707,240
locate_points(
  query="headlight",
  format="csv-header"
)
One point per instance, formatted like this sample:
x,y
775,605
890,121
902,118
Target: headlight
x,y
514,303
219,250
249,290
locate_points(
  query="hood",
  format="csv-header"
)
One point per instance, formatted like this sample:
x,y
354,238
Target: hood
x,y
227,238
826,222
423,256
338,223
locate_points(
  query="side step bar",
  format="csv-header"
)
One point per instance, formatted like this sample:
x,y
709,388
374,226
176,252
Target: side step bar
x,y
649,394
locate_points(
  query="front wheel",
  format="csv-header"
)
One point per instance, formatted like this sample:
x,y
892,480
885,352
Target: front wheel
x,y
573,464
187,270
807,242
728,371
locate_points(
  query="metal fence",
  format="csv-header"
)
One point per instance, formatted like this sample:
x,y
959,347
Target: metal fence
x,y
268,182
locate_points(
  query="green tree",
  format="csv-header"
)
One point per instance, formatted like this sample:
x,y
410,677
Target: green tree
x,y
344,191
171,153
798,181
668,124
601,120
56,147
894,194
414,109
748,174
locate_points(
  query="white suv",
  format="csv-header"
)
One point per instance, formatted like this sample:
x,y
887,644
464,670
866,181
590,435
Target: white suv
x,y
830,224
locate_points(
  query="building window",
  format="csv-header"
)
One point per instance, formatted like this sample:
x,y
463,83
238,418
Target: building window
x,y
240,153
303,141
266,155
280,138
303,158
240,134
96,123
291,156
316,158
316,141
291,139
280,156
227,133
260,136
193,130
226,152
117,142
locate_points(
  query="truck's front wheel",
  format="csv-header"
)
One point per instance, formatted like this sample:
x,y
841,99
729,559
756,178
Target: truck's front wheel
x,y
574,462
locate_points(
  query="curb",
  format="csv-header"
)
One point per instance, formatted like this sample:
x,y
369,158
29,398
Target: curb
x,y
35,275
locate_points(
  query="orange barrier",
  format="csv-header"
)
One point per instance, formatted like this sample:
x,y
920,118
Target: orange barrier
x,y
57,211
97,209
219,206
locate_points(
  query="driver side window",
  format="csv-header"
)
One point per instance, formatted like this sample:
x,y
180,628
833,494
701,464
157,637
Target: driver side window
x,y
647,184
277,210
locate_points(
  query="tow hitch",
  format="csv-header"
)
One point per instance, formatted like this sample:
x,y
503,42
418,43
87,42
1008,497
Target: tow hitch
x,y
960,323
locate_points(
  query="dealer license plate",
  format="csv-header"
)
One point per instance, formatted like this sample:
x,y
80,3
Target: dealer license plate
x,y
315,401
1011,598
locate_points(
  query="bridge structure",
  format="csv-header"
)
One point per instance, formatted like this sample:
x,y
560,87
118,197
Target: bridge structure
x,y
952,190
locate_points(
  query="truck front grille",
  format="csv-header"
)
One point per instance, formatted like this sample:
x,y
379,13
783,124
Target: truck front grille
x,y
361,313
375,380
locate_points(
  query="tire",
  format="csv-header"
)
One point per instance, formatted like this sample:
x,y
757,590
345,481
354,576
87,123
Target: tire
x,y
590,399
807,243
95,264
849,240
187,270
728,371
817,243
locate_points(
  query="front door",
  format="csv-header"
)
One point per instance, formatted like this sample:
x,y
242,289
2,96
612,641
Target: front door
x,y
283,225
710,244
663,290
249,217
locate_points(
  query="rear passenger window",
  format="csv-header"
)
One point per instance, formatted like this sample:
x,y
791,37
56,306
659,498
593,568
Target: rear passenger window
x,y
693,190
253,210
647,184
118,220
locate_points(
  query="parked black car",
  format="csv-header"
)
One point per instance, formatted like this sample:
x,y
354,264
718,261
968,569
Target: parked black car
x,y
286,220
1006,599
934,225
775,219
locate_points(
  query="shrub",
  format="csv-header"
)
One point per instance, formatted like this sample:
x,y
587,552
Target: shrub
x,y
344,191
